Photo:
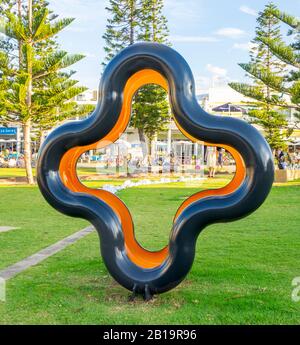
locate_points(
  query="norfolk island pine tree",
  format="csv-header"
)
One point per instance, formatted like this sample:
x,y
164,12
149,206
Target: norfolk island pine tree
x,y
37,93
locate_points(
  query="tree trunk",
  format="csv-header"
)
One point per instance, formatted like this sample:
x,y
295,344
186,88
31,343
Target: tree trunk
x,y
42,137
27,123
154,18
150,156
143,142
20,41
131,22
27,151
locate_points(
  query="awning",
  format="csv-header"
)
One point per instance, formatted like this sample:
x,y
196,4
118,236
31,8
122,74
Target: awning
x,y
229,108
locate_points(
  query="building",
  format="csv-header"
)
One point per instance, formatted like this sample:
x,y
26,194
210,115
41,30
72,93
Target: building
x,y
87,97
10,138
220,96
216,100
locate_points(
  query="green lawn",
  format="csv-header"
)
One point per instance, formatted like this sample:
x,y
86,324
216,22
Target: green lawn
x,y
242,271
20,172
39,224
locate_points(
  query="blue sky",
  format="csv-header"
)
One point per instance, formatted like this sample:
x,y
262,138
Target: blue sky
x,y
212,35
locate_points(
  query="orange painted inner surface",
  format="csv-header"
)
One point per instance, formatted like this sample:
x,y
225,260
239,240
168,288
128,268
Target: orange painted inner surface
x,y
140,256
233,185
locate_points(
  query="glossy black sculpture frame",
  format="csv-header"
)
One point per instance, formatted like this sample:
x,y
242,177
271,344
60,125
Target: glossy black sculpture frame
x,y
248,195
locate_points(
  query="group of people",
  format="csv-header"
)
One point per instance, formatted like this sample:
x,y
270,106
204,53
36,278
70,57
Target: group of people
x,y
11,159
214,157
285,159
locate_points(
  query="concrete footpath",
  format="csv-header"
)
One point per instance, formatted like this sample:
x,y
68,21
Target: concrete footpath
x,y
43,254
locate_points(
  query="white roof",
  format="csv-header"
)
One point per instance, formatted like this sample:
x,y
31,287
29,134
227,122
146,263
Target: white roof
x,y
225,94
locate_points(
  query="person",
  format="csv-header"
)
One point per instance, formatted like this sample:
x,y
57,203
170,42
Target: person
x,y
20,162
128,161
12,162
2,160
138,163
160,164
220,157
6,153
211,160
172,163
292,158
298,159
281,160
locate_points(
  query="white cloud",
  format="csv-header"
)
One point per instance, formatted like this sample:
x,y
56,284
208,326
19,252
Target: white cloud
x,y
230,32
218,77
216,71
202,83
244,46
248,10
192,39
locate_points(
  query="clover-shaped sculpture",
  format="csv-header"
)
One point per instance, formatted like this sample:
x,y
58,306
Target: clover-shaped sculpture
x,y
134,267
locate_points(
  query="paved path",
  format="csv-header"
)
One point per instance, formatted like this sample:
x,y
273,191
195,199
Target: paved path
x,y
7,228
42,255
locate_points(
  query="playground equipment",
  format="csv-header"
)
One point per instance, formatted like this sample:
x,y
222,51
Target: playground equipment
x,y
135,268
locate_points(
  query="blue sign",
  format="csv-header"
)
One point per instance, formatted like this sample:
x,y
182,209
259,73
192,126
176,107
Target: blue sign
x,y
8,130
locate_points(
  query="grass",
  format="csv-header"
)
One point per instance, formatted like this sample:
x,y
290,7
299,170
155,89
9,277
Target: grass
x,y
20,172
242,272
38,224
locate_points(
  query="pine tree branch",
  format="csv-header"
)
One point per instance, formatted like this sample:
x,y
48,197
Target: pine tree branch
x,y
268,78
286,18
282,51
